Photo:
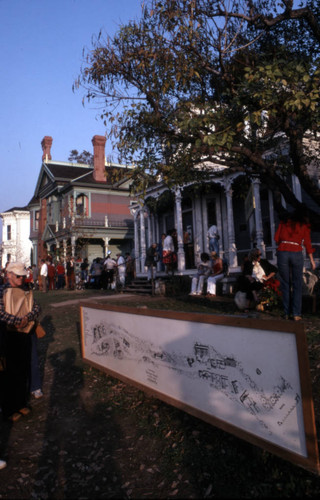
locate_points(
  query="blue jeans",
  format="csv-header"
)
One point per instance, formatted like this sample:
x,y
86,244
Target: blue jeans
x,y
35,378
214,245
290,266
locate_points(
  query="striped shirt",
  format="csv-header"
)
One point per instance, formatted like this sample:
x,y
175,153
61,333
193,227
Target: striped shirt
x,y
12,320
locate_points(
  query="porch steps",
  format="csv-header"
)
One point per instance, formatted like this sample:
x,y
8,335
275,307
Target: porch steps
x,y
139,286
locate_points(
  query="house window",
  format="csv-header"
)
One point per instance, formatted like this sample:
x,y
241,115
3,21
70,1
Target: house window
x,y
36,220
82,205
9,232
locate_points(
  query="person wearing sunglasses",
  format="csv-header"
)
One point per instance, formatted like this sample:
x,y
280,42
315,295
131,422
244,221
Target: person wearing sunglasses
x,y
18,315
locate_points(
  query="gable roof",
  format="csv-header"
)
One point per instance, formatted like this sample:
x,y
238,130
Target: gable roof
x,y
63,175
67,171
17,209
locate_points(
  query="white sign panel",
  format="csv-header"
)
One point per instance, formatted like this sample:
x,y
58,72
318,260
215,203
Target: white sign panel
x,y
246,378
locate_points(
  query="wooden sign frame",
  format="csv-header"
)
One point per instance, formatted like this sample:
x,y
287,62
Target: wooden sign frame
x,y
246,376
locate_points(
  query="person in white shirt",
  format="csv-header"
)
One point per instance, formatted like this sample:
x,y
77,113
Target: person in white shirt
x,y
204,269
109,266
169,256
43,275
121,265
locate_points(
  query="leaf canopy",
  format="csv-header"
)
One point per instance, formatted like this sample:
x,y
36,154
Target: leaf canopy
x,y
199,83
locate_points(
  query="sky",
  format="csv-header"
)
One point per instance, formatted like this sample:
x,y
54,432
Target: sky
x,y
41,56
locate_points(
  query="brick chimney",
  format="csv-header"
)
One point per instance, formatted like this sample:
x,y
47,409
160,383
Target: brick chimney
x,y
99,142
46,144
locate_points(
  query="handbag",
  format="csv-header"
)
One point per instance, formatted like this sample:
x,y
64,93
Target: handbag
x,y
40,331
19,303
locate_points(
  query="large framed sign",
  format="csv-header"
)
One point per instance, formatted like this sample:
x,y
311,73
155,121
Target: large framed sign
x,y
249,377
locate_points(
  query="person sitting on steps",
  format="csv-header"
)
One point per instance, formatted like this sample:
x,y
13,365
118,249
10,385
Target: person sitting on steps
x,y
217,274
204,269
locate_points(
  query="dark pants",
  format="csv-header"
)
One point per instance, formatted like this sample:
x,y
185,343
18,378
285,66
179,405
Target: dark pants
x,y
17,374
109,277
290,265
71,280
61,281
35,378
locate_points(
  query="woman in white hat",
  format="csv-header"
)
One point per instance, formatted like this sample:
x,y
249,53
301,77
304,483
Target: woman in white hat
x,y
18,312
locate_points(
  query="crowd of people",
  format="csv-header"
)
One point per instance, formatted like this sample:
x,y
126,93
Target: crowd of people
x,y
106,273
109,273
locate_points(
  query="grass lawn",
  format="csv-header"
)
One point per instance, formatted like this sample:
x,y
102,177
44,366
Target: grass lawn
x,y
92,436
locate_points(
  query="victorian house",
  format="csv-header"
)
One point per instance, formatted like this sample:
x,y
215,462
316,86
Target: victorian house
x,y
241,208
80,210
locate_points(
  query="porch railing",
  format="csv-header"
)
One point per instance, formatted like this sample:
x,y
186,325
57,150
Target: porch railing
x,y
74,222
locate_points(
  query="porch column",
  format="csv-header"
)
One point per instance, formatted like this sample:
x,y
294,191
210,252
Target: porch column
x,y
181,255
219,221
35,254
149,239
257,215
205,225
73,245
64,245
232,257
153,229
157,238
135,212
106,245
200,230
136,241
142,240
272,224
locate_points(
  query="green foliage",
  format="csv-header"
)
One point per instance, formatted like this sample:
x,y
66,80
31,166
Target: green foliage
x,y
201,83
